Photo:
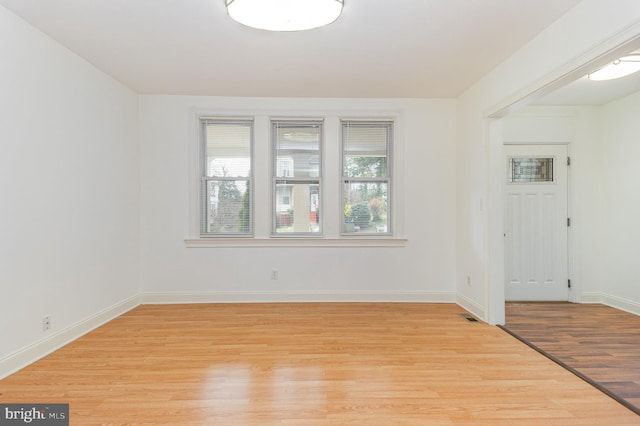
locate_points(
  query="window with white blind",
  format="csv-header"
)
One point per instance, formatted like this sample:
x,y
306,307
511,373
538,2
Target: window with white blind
x,y
226,200
297,170
268,180
366,176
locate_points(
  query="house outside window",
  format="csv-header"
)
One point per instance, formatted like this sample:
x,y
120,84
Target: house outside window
x,y
366,177
226,200
296,178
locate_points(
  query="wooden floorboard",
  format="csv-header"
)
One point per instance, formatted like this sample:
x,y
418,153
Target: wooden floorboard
x,y
598,341
308,364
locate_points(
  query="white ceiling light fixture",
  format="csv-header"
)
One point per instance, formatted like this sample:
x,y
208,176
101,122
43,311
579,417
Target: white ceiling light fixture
x,y
619,68
284,15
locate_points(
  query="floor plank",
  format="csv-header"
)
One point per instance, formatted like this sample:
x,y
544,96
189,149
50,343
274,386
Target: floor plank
x,y
308,364
598,341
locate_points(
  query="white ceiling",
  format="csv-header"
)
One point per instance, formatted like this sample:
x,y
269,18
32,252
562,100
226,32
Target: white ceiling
x,y
377,48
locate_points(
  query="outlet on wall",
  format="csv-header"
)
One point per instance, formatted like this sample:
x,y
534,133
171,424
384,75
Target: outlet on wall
x,y
46,323
274,274
468,279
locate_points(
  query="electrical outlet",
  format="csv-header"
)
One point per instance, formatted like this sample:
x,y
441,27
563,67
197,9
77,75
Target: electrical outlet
x,y
468,279
274,274
46,323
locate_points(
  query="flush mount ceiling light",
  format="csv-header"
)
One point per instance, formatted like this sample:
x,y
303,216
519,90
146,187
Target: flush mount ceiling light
x,y
618,68
284,15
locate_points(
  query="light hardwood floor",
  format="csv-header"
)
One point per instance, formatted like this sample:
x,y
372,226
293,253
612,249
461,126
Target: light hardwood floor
x,y
308,364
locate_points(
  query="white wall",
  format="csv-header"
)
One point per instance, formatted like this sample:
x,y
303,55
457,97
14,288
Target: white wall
x,y
621,203
585,203
584,34
422,270
69,185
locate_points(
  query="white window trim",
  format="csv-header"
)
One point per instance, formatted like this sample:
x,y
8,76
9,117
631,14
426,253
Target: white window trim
x,y
262,196
313,242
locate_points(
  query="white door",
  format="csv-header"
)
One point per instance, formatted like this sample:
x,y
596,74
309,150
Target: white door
x,y
536,223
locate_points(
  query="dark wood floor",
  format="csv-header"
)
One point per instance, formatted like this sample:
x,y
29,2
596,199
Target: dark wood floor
x,y
600,342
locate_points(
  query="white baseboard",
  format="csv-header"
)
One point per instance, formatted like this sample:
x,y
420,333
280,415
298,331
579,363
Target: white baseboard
x,y
275,297
591,297
29,354
613,301
470,306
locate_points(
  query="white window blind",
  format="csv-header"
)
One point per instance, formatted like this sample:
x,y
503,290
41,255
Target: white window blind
x,y
296,176
227,205
366,180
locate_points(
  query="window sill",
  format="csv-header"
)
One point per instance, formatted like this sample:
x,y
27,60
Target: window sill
x,y
296,242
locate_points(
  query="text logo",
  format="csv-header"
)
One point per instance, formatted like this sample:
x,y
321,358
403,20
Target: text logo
x,y
34,414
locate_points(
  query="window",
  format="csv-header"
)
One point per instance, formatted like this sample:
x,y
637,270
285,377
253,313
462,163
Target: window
x,y
268,180
366,176
296,176
526,170
226,201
